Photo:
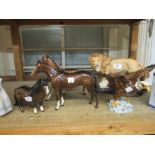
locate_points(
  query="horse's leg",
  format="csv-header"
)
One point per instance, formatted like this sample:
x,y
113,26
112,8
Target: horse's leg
x,y
84,93
35,105
90,91
58,97
62,99
41,106
18,103
20,107
35,110
49,95
96,99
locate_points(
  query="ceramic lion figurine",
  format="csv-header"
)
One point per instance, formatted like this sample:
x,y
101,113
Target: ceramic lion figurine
x,y
106,65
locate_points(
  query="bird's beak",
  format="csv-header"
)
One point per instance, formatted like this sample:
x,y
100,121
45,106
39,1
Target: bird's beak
x,y
147,88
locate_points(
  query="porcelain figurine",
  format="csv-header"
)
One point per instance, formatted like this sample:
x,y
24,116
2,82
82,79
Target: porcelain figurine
x,y
5,102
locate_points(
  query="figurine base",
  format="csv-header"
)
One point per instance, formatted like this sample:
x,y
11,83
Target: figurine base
x,y
120,106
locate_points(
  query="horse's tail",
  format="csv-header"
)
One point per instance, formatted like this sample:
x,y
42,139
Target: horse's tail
x,y
16,101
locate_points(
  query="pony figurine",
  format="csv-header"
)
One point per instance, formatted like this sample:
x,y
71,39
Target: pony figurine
x,y
5,103
32,95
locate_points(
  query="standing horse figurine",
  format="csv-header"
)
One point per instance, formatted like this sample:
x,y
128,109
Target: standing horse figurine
x,y
50,62
61,80
32,95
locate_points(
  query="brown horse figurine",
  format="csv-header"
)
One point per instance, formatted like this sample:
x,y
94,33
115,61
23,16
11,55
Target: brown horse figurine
x,y
50,62
62,80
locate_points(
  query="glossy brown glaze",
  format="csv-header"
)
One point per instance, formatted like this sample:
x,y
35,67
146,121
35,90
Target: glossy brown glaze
x,y
50,62
37,92
120,81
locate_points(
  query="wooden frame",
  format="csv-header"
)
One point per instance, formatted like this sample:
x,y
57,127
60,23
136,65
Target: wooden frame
x,y
67,21
133,41
15,36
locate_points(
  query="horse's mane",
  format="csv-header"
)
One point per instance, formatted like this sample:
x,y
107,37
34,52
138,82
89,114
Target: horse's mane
x,y
36,87
32,90
38,62
52,61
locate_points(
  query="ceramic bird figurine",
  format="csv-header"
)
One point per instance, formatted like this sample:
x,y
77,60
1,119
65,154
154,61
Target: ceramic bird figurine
x,y
5,103
126,83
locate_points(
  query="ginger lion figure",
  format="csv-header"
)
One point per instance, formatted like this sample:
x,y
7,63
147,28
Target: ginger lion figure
x,y
34,96
107,65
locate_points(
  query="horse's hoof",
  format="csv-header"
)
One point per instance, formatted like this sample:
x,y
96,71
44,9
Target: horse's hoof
x,y
96,106
56,109
35,110
21,110
90,102
83,93
42,109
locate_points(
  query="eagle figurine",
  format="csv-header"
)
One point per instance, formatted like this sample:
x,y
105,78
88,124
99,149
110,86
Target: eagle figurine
x,y
128,84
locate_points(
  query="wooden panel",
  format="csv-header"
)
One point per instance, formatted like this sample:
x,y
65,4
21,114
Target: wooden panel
x,y
133,41
147,128
76,21
17,51
68,21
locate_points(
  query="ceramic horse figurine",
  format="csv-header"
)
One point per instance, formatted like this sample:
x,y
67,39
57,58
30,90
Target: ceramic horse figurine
x,y
50,62
61,80
33,96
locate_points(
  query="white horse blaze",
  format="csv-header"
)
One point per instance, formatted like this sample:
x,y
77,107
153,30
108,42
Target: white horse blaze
x,y
58,105
62,100
46,89
41,108
35,110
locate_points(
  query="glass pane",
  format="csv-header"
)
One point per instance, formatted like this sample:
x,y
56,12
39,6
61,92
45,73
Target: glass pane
x,y
41,37
78,57
83,37
32,57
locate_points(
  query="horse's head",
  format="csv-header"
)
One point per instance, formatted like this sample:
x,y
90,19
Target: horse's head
x,y
42,67
36,69
50,62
